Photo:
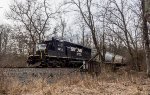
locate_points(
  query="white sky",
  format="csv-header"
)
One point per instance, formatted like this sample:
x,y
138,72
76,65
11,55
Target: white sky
x,y
4,7
4,4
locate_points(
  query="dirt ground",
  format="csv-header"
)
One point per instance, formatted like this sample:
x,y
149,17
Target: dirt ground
x,y
107,83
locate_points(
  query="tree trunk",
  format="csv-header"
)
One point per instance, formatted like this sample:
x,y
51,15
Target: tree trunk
x,y
0,43
83,30
146,37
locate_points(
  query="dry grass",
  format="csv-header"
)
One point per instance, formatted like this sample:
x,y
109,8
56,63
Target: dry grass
x,y
108,83
13,60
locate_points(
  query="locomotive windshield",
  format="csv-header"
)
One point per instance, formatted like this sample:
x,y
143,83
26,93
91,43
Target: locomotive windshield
x,y
40,47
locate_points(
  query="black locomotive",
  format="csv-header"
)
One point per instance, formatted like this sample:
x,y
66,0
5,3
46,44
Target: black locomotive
x,y
57,53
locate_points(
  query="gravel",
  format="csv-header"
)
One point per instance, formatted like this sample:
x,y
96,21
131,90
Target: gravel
x,y
26,74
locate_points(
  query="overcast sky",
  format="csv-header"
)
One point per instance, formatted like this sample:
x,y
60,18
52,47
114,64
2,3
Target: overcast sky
x,y
4,6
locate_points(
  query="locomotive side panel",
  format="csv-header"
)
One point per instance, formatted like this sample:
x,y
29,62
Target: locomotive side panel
x,y
77,51
72,50
56,48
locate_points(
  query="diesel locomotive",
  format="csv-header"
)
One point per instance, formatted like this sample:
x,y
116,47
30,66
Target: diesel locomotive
x,y
58,53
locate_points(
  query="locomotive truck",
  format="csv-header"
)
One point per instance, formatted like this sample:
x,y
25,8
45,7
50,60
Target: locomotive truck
x,y
57,53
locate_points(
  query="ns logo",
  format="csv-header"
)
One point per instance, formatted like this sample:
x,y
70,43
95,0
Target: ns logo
x,y
77,50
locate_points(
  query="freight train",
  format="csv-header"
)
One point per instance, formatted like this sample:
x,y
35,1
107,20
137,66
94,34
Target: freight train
x,y
57,53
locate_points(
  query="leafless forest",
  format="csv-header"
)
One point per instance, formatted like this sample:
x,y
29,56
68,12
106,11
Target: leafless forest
x,y
121,27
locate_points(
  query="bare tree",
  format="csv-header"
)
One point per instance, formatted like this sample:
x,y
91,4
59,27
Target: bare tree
x,y
82,30
83,33
119,20
21,39
88,19
63,26
34,16
4,38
